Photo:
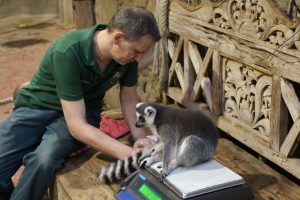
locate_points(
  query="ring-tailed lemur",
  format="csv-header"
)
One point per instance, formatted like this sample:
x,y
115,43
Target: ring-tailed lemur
x,y
186,137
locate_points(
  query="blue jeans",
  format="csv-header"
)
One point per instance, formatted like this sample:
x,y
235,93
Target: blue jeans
x,y
41,141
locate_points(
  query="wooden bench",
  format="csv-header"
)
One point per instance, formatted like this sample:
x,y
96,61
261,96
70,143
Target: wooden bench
x,y
78,178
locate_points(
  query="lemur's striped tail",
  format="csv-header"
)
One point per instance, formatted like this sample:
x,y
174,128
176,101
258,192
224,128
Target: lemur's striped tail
x,y
6,101
119,170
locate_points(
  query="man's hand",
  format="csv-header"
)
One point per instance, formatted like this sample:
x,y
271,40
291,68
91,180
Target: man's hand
x,y
142,143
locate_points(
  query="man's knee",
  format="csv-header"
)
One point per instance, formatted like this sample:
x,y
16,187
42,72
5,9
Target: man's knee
x,y
45,162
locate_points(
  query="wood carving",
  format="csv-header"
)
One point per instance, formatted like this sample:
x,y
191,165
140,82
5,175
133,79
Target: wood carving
x,y
247,96
240,59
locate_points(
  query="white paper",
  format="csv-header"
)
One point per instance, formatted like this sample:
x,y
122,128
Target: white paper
x,y
203,178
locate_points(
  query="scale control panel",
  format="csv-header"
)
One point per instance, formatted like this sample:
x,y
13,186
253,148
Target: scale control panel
x,y
139,187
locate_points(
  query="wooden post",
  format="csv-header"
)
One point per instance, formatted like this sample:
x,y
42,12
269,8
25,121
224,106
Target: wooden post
x,y
279,115
217,84
84,14
66,13
188,76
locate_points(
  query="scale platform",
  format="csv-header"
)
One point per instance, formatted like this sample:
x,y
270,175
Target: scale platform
x,y
210,180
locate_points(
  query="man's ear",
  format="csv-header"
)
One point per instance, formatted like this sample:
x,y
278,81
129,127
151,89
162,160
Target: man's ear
x,y
118,37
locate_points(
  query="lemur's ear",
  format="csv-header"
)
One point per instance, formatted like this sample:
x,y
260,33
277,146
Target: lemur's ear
x,y
150,111
139,104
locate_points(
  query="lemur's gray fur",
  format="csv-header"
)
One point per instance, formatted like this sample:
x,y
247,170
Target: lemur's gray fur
x,y
186,137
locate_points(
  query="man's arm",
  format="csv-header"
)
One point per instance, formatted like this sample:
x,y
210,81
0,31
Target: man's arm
x,y
128,99
75,115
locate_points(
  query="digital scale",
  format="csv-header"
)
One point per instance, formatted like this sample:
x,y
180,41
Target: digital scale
x,y
206,181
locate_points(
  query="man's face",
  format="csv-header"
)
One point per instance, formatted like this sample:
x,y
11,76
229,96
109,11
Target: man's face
x,y
127,51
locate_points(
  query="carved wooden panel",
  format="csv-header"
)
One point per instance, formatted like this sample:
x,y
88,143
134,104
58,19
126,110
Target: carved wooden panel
x,y
247,96
240,59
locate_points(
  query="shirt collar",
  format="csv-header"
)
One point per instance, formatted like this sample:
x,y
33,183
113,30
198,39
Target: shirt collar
x,y
88,48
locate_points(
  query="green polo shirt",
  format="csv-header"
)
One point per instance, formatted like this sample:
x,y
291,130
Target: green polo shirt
x,y
69,71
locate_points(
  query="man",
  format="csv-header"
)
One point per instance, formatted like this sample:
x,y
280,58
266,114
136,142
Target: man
x,y
59,110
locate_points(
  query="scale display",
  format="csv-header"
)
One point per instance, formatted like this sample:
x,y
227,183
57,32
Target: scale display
x,y
149,193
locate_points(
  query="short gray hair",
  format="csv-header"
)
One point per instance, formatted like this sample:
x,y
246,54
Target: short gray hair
x,y
135,22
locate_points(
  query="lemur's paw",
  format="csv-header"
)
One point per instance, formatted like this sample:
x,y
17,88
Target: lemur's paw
x,y
147,162
144,162
162,176
160,166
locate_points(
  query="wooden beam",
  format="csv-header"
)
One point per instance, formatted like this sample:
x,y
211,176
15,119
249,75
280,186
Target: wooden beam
x,y
291,99
189,74
171,48
195,56
84,14
179,73
177,95
202,70
207,89
279,115
174,59
292,140
217,83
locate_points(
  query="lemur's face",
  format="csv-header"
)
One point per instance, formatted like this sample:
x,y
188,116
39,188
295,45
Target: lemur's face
x,y
145,115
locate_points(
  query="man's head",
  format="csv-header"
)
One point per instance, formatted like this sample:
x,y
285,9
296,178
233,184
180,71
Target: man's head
x,y
134,32
135,22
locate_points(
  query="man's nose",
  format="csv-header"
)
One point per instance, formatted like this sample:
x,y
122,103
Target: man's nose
x,y
139,57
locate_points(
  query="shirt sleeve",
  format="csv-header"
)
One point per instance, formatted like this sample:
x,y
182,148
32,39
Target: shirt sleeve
x,y
67,77
130,77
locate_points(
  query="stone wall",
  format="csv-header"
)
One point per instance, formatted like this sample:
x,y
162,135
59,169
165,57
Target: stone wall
x,y
104,9
10,8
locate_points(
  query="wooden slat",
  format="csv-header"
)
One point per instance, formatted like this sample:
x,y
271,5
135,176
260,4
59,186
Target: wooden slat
x,y
196,88
291,99
195,56
207,90
171,48
174,59
179,26
217,83
292,140
179,73
189,74
279,115
177,95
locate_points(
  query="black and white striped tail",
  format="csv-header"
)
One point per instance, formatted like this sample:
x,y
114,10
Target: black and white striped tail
x,y
119,170
6,101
